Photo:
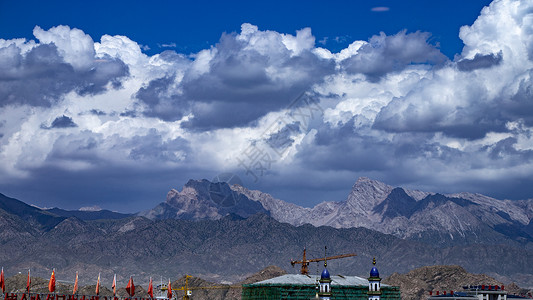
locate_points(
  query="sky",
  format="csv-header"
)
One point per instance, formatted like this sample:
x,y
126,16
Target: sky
x,y
112,104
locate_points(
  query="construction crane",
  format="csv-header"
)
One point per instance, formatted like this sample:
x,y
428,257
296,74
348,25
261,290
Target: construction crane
x,y
185,288
188,289
305,262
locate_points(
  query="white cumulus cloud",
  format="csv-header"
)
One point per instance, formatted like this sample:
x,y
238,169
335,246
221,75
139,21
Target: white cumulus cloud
x,y
392,107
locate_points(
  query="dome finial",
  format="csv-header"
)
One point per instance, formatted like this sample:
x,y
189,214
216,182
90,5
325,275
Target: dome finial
x,y
325,256
374,273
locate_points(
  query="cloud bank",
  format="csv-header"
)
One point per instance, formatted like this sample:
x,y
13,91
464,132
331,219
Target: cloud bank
x,y
102,123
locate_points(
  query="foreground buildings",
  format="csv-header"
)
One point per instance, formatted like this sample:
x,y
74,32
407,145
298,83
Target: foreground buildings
x,y
326,287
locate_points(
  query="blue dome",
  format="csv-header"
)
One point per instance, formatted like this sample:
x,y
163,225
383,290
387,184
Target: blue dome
x,y
374,272
325,274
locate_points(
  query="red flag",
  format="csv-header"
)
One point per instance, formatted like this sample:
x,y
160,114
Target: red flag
x,y
130,288
114,285
28,282
75,289
150,288
169,290
52,283
98,285
3,283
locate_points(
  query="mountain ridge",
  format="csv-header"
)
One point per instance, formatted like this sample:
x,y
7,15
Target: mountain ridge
x,y
248,229
474,218
462,218
232,246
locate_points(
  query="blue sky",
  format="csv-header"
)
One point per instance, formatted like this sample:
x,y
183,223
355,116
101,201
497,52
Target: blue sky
x,y
196,25
114,103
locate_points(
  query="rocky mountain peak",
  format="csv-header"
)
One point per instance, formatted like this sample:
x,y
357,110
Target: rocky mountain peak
x,y
367,193
398,203
279,209
365,182
203,199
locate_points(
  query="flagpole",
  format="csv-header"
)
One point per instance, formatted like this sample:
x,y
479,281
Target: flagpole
x,y
98,287
75,288
52,284
2,282
28,283
114,286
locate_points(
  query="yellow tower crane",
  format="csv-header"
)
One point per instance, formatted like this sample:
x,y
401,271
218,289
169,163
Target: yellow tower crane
x,y
188,290
305,262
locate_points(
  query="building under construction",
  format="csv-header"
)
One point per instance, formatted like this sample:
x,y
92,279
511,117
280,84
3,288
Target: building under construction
x,y
297,286
326,287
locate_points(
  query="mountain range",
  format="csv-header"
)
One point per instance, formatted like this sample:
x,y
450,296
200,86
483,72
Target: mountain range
x,y
224,233
463,218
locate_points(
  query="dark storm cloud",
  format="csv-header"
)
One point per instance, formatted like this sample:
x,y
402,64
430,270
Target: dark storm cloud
x,y
473,115
480,62
76,148
128,113
506,150
384,54
62,122
343,148
237,89
414,157
472,122
160,101
109,186
107,182
281,139
147,148
520,105
41,76
353,152
97,112
152,147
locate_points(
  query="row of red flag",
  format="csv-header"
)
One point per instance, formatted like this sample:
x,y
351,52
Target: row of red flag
x,y
130,287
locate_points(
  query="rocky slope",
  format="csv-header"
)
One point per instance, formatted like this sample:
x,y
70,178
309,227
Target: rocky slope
x,y
416,284
206,290
101,214
34,217
432,218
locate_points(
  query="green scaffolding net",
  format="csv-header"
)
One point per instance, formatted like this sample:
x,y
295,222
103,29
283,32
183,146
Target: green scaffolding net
x,y
301,292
